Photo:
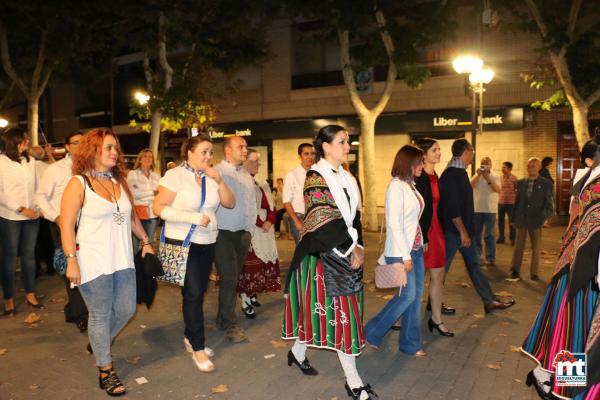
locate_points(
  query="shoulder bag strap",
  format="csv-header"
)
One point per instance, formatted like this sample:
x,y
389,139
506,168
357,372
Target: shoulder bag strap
x,y
186,242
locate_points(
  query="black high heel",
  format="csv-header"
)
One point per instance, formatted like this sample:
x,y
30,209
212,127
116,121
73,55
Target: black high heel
x,y
532,381
432,325
110,383
304,365
355,393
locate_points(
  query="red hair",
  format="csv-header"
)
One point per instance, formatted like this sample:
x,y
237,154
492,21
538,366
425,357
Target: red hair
x,y
84,162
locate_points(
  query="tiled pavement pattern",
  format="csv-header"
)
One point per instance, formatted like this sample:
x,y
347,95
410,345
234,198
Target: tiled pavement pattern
x,y
49,361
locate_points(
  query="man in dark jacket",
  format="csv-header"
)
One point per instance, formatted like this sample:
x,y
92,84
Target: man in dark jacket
x,y
457,217
533,205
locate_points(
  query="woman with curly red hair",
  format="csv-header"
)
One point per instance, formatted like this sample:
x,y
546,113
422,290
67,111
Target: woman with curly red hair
x,y
96,226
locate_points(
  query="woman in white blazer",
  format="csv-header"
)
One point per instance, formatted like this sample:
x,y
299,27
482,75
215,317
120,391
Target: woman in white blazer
x,y
404,245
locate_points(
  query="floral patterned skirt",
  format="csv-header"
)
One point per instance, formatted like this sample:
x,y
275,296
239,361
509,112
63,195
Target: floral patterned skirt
x,y
258,276
319,320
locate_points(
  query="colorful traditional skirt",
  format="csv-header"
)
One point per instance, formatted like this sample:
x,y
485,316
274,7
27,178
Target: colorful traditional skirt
x,y
561,324
318,320
592,393
258,276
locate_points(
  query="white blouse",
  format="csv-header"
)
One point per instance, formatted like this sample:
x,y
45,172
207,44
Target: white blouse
x,y
187,198
143,188
103,238
18,181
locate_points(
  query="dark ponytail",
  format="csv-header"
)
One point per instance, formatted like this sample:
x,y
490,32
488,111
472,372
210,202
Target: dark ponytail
x,y
326,135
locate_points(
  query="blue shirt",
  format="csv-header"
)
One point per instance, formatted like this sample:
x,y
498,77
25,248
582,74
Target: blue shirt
x,y
241,183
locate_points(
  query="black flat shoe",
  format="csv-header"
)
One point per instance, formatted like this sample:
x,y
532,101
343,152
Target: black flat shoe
x,y
89,349
38,305
304,365
432,325
532,381
248,310
254,301
355,393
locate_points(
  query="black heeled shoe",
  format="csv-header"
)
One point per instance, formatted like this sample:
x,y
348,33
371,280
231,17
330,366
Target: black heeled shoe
x,y
38,305
355,393
254,301
304,365
248,310
432,325
537,385
110,383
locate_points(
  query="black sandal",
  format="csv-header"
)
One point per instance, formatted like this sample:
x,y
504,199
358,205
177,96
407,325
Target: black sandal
x,y
110,382
355,393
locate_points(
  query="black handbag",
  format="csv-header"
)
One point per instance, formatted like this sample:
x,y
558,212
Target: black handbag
x,y
340,278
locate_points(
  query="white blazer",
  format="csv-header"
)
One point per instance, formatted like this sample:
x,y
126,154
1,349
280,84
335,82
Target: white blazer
x,y
402,212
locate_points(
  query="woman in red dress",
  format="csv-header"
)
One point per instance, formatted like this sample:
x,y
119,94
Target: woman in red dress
x,y
433,235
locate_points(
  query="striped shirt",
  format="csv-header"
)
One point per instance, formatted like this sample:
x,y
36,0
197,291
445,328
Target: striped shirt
x,y
508,191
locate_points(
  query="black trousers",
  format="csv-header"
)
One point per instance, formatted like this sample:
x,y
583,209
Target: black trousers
x,y
75,309
199,263
279,218
44,251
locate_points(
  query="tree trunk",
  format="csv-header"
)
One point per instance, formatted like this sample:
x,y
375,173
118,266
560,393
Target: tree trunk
x,y
33,118
580,123
367,144
155,137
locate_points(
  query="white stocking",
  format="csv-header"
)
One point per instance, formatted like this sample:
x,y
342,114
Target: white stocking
x,y
299,350
541,375
245,299
352,377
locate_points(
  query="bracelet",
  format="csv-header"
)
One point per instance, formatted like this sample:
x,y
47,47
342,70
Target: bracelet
x,y
70,255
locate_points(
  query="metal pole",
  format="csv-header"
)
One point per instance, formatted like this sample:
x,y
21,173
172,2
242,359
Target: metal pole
x,y
480,108
474,129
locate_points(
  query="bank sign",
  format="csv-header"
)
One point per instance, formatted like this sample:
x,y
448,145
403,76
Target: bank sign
x,y
500,119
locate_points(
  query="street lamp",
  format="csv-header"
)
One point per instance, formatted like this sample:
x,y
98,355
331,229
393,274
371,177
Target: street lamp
x,y
3,123
141,97
478,76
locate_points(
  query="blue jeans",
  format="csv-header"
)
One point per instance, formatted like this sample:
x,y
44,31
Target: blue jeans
x,y
295,232
503,211
407,304
18,237
485,223
150,228
471,259
110,300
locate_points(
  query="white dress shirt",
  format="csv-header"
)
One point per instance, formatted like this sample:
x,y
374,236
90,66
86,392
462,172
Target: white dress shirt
x,y
51,187
18,181
293,188
243,215
143,188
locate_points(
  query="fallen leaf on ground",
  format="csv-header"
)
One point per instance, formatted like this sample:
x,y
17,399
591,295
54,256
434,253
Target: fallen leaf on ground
x,y
143,326
474,326
34,386
267,356
367,281
503,334
141,380
515,349
32,318
464,284
504,293
57,300
219,389
279,344
3,351
478,316
371,288
133,359
493,366
387,296
517,380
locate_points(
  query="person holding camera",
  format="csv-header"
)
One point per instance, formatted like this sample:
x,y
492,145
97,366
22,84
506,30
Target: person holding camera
x,y
486,186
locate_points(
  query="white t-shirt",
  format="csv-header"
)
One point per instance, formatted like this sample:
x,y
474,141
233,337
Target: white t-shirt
x,y
18,182
187,198
293,188
485,199
142,188
104,238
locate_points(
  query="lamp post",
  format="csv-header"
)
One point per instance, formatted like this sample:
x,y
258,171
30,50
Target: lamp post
x,y
478,76
3,123
141,97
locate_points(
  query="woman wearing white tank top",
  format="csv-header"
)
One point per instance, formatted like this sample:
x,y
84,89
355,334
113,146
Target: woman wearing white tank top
x,y
99,254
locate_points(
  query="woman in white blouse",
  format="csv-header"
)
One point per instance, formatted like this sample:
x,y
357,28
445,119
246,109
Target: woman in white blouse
x,y
18,217
403,245
178,202
143,184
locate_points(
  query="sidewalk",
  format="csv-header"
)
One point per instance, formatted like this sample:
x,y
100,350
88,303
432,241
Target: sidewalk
x,y
48,360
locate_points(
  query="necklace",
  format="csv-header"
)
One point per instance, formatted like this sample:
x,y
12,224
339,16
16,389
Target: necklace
x,y
118,216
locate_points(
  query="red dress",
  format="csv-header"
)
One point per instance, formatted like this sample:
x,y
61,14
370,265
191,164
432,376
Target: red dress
x,y
435,256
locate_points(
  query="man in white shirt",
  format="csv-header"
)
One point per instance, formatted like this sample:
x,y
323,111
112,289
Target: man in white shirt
x,y
486,186
293,188
236,226
48,197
